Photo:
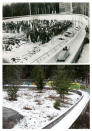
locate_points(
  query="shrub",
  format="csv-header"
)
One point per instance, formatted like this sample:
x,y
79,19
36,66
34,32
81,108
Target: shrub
x,y
26,108
57,104
83,87
12,92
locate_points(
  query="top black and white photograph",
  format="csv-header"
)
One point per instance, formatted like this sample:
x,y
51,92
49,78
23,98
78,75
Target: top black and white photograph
x,y
38,33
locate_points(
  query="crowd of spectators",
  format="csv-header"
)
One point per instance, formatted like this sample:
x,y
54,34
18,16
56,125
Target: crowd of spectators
x,y
37,30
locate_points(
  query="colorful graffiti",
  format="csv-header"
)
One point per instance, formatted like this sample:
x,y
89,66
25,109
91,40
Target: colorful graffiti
x,y
28,83
77,86
49,84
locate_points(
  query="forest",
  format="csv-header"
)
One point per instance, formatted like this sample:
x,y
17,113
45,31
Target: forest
x,y
22,9
49,71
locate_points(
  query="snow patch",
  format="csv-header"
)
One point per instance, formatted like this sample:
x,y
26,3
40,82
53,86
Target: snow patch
x,y
40,107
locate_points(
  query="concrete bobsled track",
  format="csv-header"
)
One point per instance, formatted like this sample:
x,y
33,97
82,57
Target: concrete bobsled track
x,y
66,120
10,118
75,43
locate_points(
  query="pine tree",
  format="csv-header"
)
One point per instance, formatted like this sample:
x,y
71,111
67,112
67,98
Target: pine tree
x,y
38,75
62,81
11,76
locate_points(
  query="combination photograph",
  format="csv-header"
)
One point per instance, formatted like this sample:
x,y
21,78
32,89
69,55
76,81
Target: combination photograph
x,y
46,65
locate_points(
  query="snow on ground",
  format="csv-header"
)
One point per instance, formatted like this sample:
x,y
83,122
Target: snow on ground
x,y
74,114
37,108
84,57
78,17
73,44
27,50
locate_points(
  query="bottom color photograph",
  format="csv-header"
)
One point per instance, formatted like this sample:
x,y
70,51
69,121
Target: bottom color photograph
x,y
46,97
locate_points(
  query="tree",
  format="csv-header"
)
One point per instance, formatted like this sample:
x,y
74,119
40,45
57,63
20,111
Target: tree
x,y
11,76
62,81
65,75
81,72
38,75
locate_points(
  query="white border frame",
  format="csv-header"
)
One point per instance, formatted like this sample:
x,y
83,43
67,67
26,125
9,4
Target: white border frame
x,y
1,64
